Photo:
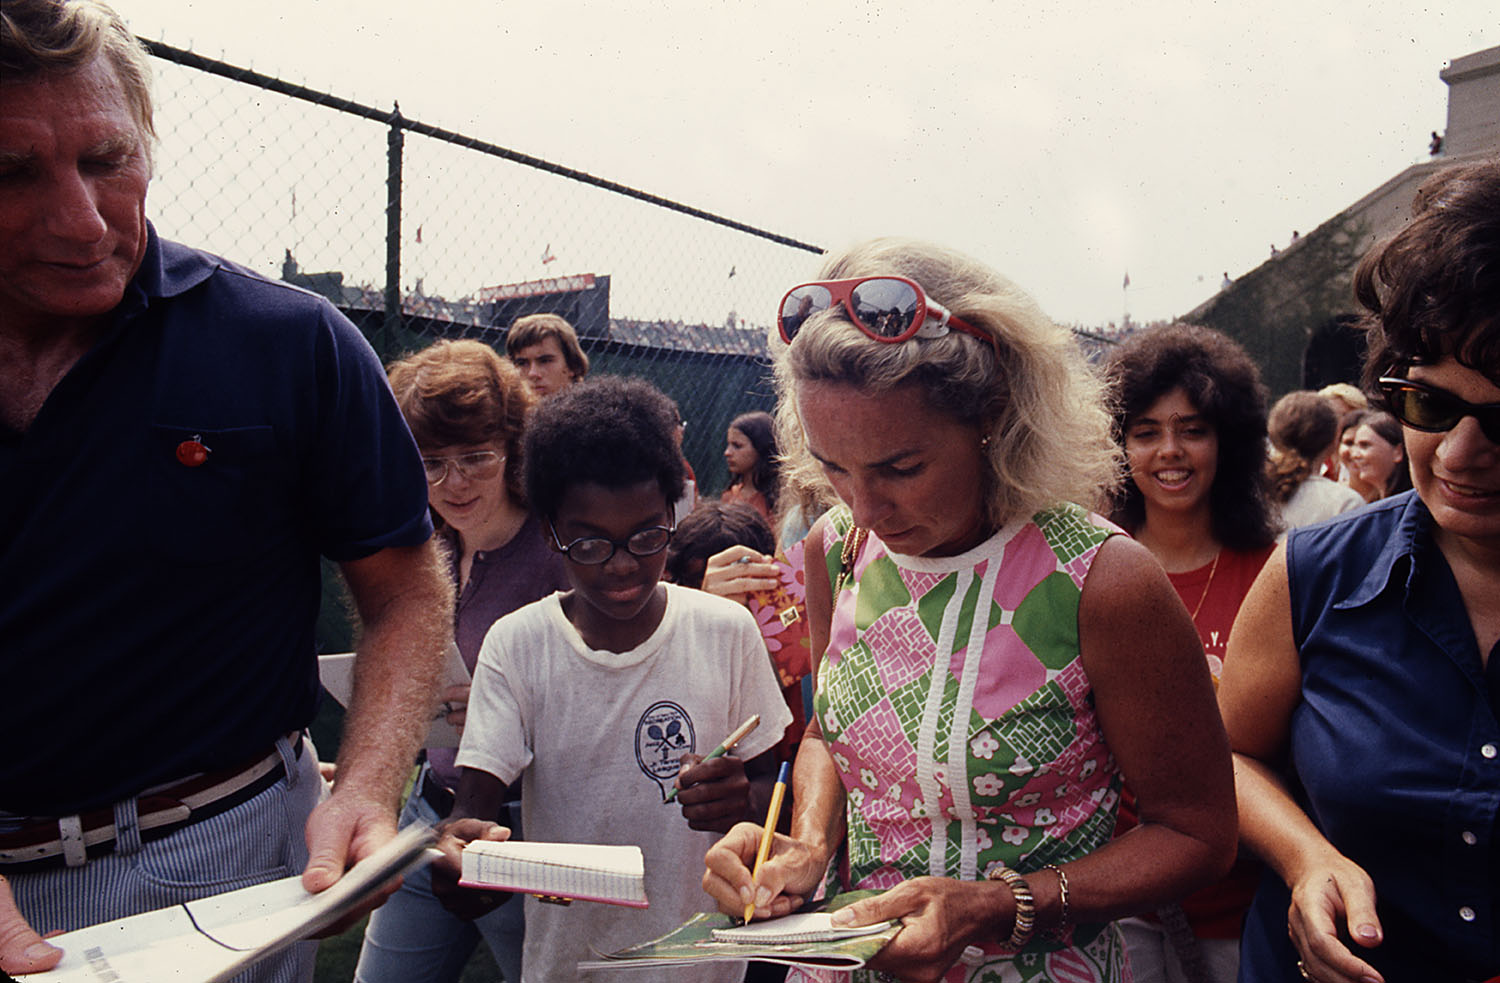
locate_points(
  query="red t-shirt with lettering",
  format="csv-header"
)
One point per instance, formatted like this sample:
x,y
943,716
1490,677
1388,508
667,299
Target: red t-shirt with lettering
x,y
1215,592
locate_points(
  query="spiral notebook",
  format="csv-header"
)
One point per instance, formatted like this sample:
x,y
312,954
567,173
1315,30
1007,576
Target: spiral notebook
x,y
811,926
575,871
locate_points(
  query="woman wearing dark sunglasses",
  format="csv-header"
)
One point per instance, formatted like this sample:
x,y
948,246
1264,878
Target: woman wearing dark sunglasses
x,y
993,657
1362,688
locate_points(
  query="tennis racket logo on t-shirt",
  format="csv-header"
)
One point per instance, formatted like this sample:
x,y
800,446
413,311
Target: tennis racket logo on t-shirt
x,y
662,736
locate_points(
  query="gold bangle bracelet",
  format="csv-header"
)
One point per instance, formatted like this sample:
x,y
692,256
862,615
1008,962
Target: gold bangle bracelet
x,y
1061,928
1025,921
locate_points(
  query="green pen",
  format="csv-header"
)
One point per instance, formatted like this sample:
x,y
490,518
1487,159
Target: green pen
x,y
722,749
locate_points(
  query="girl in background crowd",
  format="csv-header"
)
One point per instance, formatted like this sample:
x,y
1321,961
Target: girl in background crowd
x,y
754,471
1348,427
1377,459
1190,413
1362,691
1304,437
992,657
709,529
467,407
1345,399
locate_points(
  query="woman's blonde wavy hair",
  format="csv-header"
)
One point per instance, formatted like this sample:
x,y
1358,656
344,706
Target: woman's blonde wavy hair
x,y
1040,404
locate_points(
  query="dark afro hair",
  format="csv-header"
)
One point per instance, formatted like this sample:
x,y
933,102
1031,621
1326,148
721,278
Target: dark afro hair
x,y
611,431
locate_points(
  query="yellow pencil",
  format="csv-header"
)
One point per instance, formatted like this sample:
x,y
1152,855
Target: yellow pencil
x,y
773,815
737,735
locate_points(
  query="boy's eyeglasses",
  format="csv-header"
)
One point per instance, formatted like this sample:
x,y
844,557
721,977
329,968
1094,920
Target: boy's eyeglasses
x,y
593,550
889,309
477,466
1433,410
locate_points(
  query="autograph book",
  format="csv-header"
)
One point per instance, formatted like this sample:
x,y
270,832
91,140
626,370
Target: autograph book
x,y
576,871
802,939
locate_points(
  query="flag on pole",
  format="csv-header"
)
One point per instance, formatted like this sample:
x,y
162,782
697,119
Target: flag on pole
x,y
547,255
419,233
1126,284
731,272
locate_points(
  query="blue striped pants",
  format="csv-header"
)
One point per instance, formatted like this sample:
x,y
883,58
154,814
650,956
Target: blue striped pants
x,y
258,840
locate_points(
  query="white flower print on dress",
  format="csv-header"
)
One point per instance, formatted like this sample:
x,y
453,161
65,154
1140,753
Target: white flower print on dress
x,y
868,777
1014,835
988,784
1044,817
982,839
1089,767
841,761
1028,800
918,808
1020,766
857,797
984,745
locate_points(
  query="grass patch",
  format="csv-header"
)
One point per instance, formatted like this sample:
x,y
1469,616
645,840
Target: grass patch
x,y
338,955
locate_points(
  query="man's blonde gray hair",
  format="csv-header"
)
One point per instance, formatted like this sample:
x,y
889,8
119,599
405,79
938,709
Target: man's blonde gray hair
x,y
1039,403
55,37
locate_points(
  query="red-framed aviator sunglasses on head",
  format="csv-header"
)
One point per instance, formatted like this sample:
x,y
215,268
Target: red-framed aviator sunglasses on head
x,y
891,309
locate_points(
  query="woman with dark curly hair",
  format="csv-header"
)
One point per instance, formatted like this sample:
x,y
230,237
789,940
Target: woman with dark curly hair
x,y
1190,413
1362,690
754,469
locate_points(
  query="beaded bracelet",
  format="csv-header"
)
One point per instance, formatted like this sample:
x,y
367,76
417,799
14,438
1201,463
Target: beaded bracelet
x,y
1061,928
1025,920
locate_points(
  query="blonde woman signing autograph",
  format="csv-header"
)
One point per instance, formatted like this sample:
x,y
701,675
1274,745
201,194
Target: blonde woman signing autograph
x,y
971,765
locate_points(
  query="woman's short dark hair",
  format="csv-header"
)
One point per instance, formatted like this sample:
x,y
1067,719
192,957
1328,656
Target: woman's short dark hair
x,y
1224,385
1433,289
760,429
611,431
711,528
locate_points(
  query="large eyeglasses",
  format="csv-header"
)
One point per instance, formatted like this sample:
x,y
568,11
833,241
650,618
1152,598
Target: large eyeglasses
x,y
593,550
1433,410
476,466
889,309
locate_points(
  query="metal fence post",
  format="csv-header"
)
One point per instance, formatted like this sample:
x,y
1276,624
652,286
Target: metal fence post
x,y
391,326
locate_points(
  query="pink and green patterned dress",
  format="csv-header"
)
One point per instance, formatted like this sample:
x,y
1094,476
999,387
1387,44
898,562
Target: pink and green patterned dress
x,y
1026,779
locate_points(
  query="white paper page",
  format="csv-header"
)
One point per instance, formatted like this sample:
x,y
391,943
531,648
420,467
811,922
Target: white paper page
x,y
336,673
215,938
804,927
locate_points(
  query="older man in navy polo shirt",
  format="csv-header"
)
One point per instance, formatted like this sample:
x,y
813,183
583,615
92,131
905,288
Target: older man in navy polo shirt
x,y
180,439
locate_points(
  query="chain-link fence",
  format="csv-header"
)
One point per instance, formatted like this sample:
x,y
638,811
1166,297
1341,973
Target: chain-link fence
x,y
419,233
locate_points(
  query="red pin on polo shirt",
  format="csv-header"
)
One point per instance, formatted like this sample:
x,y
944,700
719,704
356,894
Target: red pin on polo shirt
x,y
192,453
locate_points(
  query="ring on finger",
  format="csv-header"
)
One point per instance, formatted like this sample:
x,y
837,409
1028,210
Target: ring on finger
x,y
1302,968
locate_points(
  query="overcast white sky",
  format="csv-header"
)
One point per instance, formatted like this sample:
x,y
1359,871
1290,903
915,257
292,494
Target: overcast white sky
x,y
1065,144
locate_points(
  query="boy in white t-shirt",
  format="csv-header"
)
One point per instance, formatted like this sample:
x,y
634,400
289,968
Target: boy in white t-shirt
x,y
601,699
